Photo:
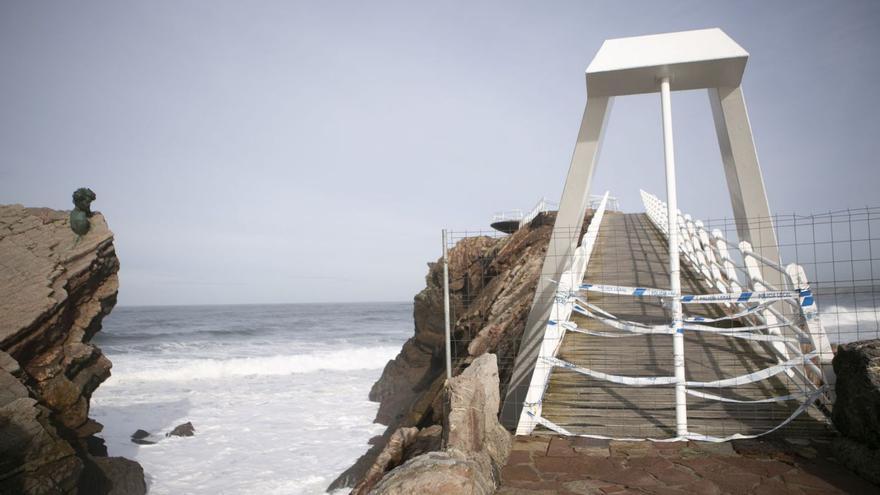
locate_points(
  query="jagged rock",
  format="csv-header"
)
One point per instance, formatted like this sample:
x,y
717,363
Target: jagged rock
x,y
182,430
440,473
405,443
142,437
859,458
857,406
471,421
475,444
492,283
54,292
125,476
390,457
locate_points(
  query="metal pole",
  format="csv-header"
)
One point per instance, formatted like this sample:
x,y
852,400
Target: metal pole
x,y
446,309
681,427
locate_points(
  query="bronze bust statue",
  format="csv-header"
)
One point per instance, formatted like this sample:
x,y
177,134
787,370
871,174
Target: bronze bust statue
x,y
79,217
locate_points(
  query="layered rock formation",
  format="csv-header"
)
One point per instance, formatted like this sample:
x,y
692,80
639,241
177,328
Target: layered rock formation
x,y
55,289
475,446
857,407
492,284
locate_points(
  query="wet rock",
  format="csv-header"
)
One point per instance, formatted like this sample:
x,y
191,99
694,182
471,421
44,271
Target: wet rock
x,y
182,430
142,437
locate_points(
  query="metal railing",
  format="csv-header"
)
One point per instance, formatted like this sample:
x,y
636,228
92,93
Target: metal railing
x,y
559,315
710,257
545,204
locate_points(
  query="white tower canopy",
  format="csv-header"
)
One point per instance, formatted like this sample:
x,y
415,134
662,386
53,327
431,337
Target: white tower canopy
x,y
702,59
705,58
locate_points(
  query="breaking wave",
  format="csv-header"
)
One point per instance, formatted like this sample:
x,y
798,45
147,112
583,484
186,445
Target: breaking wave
x,y
362,358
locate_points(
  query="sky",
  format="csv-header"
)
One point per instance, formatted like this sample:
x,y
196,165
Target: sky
x,y
283,152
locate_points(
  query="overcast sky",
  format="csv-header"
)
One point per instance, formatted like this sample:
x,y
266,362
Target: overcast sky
x,y
251,152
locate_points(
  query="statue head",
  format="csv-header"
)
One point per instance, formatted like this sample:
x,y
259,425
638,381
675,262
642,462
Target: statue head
x,y
82,199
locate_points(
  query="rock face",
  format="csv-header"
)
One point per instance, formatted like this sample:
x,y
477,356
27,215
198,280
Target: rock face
x,y
182,430
475,445
857,407
54,292
492,284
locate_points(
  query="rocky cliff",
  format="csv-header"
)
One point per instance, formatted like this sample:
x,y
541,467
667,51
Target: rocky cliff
x,y
54,291
492,283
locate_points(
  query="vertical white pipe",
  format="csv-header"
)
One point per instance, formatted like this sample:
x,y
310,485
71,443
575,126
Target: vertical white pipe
x,y
446,309
674,272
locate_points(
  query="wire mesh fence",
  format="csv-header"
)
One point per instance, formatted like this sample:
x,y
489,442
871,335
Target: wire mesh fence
x,y
751,366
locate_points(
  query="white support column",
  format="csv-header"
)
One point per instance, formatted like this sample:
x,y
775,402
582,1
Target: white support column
x,y
681,427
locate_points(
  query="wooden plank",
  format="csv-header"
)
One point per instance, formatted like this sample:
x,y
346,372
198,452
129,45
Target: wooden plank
x,y
630,251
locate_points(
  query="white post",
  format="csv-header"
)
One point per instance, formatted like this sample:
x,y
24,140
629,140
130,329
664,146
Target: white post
x,y
681,427
446,309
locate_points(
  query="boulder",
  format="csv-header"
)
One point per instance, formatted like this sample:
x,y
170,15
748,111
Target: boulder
x,y
440,473
857,405
125,476
182,430
475,445
143,437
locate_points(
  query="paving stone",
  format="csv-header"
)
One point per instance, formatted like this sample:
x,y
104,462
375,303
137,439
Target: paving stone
x,y
586,487
519,457
560,464
767,468
733,482
629,477
560,447
631,448
702,487
590,446
521,472
650,464
755,448
797,477
676,475
575,467
531,443
716,448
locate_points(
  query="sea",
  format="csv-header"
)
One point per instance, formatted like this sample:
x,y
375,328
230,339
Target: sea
x,y
277,393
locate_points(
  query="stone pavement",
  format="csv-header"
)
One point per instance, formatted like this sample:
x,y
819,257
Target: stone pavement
x,y
580,466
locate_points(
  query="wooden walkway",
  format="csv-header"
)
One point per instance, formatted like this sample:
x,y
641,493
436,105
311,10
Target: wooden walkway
x,y
630,251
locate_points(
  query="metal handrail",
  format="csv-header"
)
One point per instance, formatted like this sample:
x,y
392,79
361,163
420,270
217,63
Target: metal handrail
x,y
718,270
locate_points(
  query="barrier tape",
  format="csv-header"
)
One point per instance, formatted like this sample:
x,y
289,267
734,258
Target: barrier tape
x,y
781,398
623,380
627,291
755,376
754,309
723,297
572,327
646,381
690,436
626,326
635,328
